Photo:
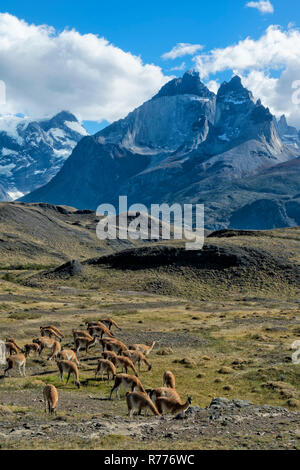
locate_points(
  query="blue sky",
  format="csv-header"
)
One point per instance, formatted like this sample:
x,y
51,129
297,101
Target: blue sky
x,y
150,29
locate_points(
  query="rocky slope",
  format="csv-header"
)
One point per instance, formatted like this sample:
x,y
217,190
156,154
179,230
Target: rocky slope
x,y
186,145
32,152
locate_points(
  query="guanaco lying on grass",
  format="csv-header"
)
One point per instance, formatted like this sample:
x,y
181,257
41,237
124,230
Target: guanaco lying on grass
x,y
104,365
18,360
13,341
70,368
111,356
156,393
11,349
50,398
68,355
169,405
130,382
110,323
137,358
143,348
140,401
125,363
100,331
169,379
47,331
31,347
84,343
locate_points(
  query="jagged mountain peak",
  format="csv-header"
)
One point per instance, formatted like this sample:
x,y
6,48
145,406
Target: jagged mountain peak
x,y
234,92
189,84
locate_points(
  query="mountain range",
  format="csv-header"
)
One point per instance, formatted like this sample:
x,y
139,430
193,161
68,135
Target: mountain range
x,y
32,152
189,145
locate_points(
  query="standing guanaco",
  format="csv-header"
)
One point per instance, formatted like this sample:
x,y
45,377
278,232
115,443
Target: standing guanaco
x,y
54,328
169,379
11,349
68,355
55,350
125,363
50,398
104,365
84,343
140,401
127,382
137,357
18,360
31,347
13,341
48,343
81,334
112,344
70,368
100,330
110,323
143,348
49,331
110,355
170,405
156,393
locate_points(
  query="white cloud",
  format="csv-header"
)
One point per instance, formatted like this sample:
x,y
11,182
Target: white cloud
x,y
181,49
268,66
264,6
213,85
179,68
46,72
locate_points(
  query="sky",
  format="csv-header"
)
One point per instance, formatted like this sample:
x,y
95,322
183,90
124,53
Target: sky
x,y
101,59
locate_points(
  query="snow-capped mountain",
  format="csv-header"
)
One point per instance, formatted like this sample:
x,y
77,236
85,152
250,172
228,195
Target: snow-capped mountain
x,y
186,144
32,152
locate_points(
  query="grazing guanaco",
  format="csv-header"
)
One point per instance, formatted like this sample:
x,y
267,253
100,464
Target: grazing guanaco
x,y
47,331
54,328
143,348
18,360
111,356
11,349
127,382
140,401
169,379
125,363
84,343
110,323
99,331
68,355
112,344
107,366
50,398
156,393
80,334
70,368
48,343
13,341
137,357
169,405
31,347
55,350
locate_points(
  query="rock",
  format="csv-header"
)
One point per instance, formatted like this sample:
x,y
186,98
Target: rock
x,y
293,403
225,370
165,352
71,268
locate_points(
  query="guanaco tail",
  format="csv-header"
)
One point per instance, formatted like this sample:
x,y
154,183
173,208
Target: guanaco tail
x,y
70,368
130,382
50,398
139,401
18,360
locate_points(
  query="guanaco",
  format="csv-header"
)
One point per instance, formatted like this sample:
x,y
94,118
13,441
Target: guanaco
x,y
11,349
46,342
80,334
55,350
143,348
137,358
18,360
70,368
84,343
107,366
50,398
31,347
50,332
110,323
125,363
127,382
13,341
68,355
111,356
112,344
156,393
169,379
169,405
140,401
100,330
54,328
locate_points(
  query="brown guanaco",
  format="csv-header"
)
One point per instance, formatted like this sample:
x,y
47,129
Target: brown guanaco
x,y
137,358
13,341
31,347
110,355
169,379
143,348
70,368
54,328
68,355
18,360
140,401
170,405
156,393
50,398
127,382
99,331
125,363
11,349
110,323
104,365
48,343
80,334
84,343
112,344
47,331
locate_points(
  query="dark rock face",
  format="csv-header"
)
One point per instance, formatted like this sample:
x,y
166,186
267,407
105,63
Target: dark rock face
x,y
188,145
71,268
32,152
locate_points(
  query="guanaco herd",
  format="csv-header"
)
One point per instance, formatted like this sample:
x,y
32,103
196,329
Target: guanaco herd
x,y
115,354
